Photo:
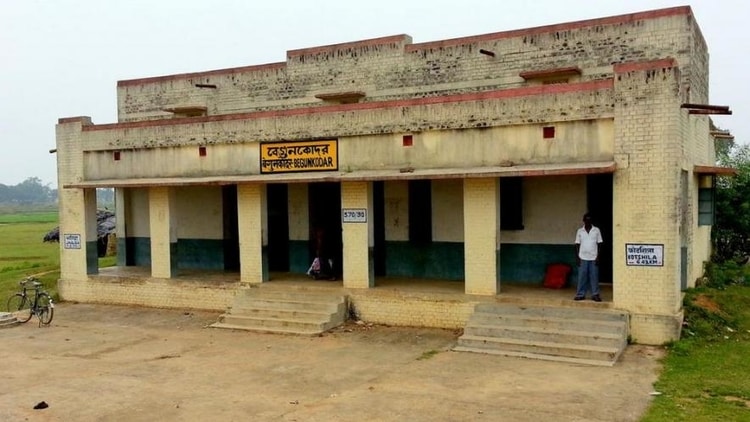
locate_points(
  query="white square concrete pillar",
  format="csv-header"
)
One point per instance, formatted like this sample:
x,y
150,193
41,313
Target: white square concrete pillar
x,y
358,234
73,244
253,233
163,232
78,234
77,206
481,235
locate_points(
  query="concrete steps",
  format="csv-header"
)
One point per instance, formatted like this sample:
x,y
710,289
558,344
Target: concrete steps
x,y
7,320
300,312
567,334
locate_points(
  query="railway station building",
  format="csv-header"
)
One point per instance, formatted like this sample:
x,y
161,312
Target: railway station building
x,y
468,161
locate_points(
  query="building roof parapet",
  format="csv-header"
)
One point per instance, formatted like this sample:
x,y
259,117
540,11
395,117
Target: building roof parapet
x,y
396,40
404,42
610,20
197,75
83,120
527,91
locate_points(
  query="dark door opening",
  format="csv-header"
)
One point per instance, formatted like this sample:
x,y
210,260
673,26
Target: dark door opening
x,y
231,228
599,201
378,199
324,202
278,227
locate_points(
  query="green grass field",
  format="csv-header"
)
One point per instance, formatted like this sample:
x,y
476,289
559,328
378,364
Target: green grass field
x,y
706,374
23,253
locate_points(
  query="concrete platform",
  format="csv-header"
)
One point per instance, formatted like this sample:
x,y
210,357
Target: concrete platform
x,y
7,320
532,292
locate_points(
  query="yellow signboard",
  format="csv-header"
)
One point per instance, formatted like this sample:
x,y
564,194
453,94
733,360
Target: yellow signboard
x,y
283,157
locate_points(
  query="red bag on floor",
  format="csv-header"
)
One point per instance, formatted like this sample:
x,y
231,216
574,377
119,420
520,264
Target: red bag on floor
x,y
556,276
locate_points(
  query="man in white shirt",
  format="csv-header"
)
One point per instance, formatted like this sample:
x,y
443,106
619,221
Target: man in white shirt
x,y
588,242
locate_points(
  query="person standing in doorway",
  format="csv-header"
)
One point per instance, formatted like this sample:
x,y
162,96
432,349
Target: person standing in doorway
x,y
323,254
588,242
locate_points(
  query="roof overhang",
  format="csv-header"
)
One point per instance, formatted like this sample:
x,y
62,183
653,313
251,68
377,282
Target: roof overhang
x,y
717,170
524,170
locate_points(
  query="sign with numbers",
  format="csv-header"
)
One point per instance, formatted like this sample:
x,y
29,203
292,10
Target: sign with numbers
x,y
354,215
72,241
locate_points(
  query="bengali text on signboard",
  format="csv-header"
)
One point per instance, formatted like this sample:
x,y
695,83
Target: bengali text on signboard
x,y
284,157
72,241
644,255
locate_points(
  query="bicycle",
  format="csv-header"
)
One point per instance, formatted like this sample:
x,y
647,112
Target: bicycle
x,y
23,305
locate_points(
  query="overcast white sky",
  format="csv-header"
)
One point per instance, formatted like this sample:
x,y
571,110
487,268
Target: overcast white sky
x,y
61,58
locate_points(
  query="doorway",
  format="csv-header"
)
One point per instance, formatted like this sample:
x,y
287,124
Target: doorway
x,y
278,227
324,204
231,228
599,202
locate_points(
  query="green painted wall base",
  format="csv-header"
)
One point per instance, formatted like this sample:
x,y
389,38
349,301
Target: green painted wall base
x,y
438,260
141,247
527,263
519,263
299,256
122,252
92,257
200,254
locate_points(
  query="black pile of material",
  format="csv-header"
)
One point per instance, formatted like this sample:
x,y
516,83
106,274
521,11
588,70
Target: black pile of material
x,y
105,225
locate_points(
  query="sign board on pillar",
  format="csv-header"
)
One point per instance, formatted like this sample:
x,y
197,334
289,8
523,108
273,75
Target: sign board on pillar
x,y
72,241
644,255
354,215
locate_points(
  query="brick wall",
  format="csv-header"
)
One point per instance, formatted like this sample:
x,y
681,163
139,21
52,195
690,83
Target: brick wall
x,y
232,144
152,292
647,191
411,311
385,307
394,68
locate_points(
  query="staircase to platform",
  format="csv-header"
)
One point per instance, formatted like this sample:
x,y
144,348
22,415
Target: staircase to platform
x,y
300,312
570,334
7,320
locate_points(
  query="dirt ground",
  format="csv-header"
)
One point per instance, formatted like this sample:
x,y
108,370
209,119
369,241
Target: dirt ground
x,y
113,363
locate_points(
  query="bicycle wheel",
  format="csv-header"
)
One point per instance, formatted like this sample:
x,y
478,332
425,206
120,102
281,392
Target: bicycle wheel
x,y
45,308
20,307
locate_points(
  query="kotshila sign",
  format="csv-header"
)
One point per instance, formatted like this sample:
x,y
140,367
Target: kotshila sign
x,y
644,255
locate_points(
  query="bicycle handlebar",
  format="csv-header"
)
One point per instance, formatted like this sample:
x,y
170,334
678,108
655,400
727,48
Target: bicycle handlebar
x,y
34,281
